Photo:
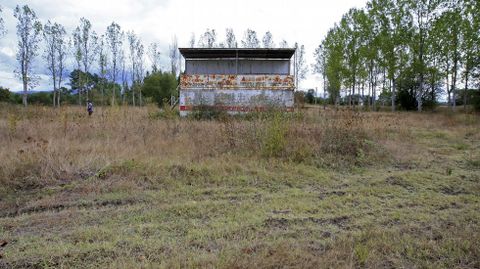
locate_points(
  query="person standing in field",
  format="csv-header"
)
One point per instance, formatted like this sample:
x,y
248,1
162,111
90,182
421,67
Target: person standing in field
x,y
89,107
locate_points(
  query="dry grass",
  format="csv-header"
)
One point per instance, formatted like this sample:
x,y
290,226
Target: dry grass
x,y
46,145
335,189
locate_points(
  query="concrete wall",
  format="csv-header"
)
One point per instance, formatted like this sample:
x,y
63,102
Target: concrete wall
x,y
235,101
229,66
236,93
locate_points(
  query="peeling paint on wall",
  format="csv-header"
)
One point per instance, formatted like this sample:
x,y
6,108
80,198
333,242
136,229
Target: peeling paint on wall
x,y
237,82
238,100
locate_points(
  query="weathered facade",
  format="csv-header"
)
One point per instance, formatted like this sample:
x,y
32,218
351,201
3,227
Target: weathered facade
x,y
236,80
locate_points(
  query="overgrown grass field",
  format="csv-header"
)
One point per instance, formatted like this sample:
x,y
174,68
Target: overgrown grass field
x,y
136,188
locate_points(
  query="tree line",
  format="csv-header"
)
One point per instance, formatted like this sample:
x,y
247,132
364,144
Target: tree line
x,y
110,67
408,51
251,40
209,39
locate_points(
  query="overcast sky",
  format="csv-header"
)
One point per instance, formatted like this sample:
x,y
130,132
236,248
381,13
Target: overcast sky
x,y
302,21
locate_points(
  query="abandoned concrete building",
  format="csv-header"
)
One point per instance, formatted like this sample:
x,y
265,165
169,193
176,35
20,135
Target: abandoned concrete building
x,y
236,80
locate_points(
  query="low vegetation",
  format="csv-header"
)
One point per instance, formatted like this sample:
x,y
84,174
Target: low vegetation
x,y
132,187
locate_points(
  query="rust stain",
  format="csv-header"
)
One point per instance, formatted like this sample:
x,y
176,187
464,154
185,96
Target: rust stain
x,y
215,81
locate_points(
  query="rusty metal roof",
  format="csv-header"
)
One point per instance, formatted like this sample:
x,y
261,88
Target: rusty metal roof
x,y
237,52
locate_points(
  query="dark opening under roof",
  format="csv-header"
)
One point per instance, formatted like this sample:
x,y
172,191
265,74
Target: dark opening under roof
x,y
240,52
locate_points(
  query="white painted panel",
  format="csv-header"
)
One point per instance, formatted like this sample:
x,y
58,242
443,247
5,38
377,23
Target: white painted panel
x,y
235,100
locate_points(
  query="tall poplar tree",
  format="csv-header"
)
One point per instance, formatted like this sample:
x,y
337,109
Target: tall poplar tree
x,y
29,33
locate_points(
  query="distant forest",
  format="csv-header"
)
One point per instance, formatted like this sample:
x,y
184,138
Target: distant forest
x,y
413,51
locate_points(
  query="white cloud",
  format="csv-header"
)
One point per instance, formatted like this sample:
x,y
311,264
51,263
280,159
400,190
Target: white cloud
x,y
302,21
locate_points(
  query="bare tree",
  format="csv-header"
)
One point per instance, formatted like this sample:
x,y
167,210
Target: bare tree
x,y
208,39
55,52
62,51
132,43
174,55
268,40
250,39
140,72
29,36
154,55
2,24
77,52
137,53
124,75
284,44
192,40
231,41
301,68
50,36
89,49
102,64
320,66
115,40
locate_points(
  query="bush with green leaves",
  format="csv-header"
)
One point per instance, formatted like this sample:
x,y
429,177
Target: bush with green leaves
x,y
160,86
4,94
275,136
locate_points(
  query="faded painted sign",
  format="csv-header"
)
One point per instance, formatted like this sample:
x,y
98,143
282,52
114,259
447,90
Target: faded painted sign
x,y
236,93
272,82
235,100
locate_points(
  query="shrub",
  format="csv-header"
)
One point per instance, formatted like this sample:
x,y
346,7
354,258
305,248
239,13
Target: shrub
x,y
343,136
204,112
167,112
274,139
4,94
160,87
12,124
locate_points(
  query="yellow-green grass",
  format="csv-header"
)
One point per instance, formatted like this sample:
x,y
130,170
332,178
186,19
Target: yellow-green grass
x,y
128,189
